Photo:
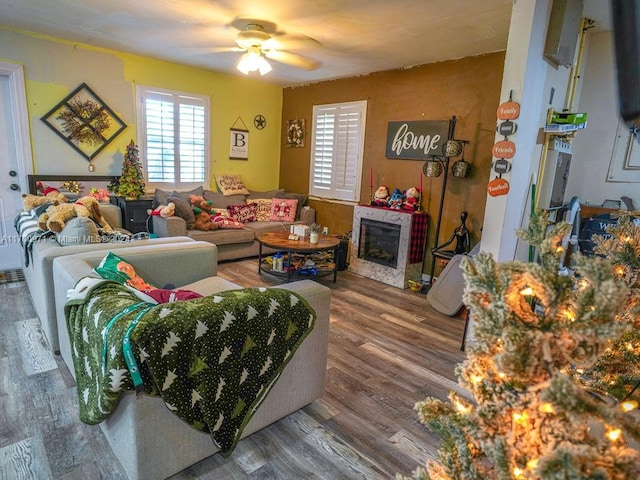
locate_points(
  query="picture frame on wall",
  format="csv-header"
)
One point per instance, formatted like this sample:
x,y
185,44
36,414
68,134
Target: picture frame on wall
x,y
238,144
295,133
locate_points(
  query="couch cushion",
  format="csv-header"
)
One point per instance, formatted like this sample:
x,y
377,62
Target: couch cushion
x,y
301,197
267,194
223,236
218,200
210,285
78,231
263,208
184,210
283,210
161,197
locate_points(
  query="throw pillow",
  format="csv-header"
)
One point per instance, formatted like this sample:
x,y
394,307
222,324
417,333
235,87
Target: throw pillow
x,y
113,267
183,210
243,213
283,210
231,185
186,196
161,197
222,212
78,231
263,208
301,197
227,222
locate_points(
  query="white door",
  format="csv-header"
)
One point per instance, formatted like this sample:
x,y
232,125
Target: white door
x,y
14,164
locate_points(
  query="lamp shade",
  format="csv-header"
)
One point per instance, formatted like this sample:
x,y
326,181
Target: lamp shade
x,y
253,60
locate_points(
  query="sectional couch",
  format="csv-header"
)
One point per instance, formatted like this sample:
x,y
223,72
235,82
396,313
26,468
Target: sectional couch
x,y
232,243
149,441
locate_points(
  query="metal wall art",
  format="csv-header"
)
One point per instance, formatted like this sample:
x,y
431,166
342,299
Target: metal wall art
x,y
85,122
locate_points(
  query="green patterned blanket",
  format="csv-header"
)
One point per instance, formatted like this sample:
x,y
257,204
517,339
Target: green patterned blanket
x,y
212,359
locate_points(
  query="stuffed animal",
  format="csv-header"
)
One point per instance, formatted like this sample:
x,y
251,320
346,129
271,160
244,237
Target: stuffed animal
x,y
30,201
163,211
395,200
381,196
411,199
202,211
95,212
58,214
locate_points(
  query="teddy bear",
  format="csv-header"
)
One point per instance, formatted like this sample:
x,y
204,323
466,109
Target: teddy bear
x,y
95,212
202,210
30,201
58,214
411,199
395,200
381,196
163,211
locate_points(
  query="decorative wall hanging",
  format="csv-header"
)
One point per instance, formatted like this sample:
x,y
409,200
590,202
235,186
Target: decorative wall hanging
x,y
259,122
239,141
417,140
84,121
295,133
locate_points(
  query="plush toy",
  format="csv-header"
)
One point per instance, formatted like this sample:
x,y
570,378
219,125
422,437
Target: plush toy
x,y
395,200
411,199
163,211
95,212
202,211
58,214
381,196
30,201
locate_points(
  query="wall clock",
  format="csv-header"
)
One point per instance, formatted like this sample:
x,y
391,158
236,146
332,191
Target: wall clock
x,y
259,122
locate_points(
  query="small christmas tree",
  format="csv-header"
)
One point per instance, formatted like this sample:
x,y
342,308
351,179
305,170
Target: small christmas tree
x,y
131,183
525,418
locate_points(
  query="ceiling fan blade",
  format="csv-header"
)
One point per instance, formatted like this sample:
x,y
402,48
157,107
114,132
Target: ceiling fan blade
x,y
292,59
205,50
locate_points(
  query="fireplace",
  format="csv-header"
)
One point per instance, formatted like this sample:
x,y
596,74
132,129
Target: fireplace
x,y
379,242
387,245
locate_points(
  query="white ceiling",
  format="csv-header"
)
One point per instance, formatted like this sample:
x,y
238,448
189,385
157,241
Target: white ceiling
x,y
348,37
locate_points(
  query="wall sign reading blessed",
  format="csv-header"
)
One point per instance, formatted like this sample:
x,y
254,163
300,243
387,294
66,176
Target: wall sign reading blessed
x,y
416,140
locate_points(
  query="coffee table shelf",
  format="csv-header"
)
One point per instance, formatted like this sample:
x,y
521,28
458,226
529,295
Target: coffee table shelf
x,y
326,250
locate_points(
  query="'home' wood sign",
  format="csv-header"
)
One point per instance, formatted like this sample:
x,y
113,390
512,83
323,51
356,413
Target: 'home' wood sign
x,y
416,140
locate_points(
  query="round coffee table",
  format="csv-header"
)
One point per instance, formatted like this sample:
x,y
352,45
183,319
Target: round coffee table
x,y
280,241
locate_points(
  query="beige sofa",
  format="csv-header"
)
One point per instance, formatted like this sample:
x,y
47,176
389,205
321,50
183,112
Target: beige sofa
x,y
232,243
149,441
39,271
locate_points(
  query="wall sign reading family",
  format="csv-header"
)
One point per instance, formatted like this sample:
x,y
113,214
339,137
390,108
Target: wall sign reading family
x,y
238,144
417,140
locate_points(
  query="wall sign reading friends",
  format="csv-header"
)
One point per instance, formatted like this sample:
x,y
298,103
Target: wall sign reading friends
x,y
416,140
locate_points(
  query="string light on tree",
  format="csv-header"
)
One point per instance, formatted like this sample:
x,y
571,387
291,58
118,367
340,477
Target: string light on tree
x,y
526,418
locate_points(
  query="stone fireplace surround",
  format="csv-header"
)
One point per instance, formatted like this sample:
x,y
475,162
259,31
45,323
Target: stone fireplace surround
x,y
405,271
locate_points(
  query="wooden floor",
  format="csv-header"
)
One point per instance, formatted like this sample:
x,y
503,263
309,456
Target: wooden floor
x,y
388,349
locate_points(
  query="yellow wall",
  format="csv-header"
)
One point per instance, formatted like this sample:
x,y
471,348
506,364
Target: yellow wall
x,y
53,68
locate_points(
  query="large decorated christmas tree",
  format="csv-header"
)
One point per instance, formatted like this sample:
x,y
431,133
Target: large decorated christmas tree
x,y
524,416
131,182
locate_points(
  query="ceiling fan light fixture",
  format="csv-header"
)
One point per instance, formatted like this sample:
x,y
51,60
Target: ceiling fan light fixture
x,y
253,60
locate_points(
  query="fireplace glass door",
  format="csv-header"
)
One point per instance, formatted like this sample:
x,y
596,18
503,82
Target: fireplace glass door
x,y
379,242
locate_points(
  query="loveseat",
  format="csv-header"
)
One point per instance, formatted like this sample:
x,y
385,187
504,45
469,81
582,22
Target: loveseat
x,y
149,440
78,236
232,242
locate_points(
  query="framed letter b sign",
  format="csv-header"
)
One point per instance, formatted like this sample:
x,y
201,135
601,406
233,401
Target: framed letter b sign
x,y
239,144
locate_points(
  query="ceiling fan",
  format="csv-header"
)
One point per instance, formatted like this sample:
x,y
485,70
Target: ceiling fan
x,y
258,40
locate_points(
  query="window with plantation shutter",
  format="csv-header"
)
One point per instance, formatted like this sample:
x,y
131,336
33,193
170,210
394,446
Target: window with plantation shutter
x,y
174,138
337,142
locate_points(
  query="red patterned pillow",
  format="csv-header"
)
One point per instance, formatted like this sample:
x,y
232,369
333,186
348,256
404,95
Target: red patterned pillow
x,y
227,222
283,209
263,208
243,213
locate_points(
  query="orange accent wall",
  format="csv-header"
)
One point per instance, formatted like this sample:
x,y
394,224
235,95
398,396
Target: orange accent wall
x,y
468,89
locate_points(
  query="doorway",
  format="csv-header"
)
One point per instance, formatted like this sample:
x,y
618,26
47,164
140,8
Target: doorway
x,y
15,160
